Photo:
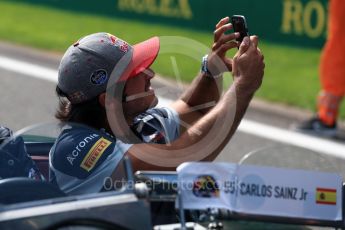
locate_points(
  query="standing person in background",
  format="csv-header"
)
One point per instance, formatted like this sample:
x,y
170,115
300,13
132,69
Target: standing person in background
x,y
332,76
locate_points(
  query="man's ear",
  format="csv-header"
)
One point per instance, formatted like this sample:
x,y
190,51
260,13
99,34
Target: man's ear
x,y
101,99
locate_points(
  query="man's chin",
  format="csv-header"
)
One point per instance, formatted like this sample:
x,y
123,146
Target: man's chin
x,y
154,102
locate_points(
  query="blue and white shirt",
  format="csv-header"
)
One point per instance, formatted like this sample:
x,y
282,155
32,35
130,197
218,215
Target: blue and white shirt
x,y
157,125
82,158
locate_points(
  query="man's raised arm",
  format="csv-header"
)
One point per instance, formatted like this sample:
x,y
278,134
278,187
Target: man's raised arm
x,y
206,89
207,137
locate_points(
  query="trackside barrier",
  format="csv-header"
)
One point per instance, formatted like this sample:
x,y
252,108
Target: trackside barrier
x,y
295,22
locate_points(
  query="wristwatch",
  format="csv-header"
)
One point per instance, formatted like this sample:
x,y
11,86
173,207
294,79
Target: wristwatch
x,y
205,70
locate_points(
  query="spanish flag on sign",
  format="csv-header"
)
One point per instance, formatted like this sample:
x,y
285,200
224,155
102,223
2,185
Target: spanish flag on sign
x,y
326,196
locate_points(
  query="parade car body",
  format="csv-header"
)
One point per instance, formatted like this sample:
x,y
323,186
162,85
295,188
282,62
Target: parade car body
x,y
257,192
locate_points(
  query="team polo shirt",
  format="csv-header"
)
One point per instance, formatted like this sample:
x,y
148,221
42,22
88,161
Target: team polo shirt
x,y
82,158
157,125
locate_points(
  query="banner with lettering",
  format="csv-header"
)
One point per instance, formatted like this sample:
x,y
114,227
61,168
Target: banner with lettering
x,y
296,22
261,190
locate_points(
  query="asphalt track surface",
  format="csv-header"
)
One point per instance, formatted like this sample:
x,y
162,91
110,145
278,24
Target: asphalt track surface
x,y
27,100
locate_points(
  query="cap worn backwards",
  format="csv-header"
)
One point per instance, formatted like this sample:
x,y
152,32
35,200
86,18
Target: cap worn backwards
x,y
87,65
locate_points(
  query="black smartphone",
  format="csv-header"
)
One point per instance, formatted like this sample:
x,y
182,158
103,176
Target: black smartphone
x,y
239,24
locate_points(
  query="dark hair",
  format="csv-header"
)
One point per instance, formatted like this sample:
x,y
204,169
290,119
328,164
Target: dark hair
x,y
90,112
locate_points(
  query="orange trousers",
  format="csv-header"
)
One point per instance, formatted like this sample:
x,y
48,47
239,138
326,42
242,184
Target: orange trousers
x,y
332,64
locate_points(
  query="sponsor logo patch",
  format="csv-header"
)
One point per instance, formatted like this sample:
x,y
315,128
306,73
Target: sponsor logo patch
x,y
205,186
122,45
79,148
94,154
326,196
99,77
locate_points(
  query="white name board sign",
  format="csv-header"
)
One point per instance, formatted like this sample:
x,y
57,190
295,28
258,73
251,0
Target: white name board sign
x,y
261,190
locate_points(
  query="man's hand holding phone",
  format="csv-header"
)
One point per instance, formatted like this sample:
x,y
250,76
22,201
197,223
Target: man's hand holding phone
x,y
218,63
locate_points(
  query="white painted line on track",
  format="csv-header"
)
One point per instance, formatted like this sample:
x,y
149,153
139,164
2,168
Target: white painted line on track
x,y
285,136
246,126
293,138
28,69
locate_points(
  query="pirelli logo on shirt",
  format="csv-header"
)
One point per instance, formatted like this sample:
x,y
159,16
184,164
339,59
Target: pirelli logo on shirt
x,y
94,154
